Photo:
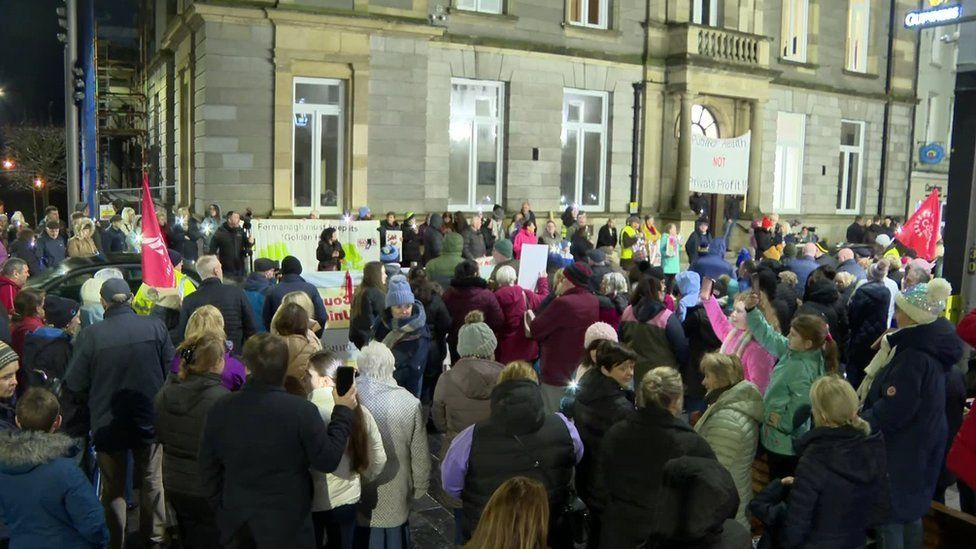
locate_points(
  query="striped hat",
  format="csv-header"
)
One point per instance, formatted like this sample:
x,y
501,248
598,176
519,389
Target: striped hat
x,y
7,355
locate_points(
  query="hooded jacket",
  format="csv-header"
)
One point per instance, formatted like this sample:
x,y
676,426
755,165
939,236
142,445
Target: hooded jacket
x,y
868,318
655,334
907,403
46,499
713,264
462,396
433,238
466,295
181,407
757,363
29,253
48,349
823,300
256,288
802,267
512,343
560,331
474,244
441,267
731,427
696,500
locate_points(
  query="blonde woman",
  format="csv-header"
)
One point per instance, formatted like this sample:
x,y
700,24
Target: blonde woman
x,y
300,298
840,486
208,320
291,323
82,243
516,517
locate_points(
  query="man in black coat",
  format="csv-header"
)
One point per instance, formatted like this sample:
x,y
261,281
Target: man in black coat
x,y
230,245
120,363
257,448
231,301
855,231
292,281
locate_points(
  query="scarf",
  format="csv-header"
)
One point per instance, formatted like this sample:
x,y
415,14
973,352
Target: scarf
x,y
672,247
651,233
878,363
731,346
406,330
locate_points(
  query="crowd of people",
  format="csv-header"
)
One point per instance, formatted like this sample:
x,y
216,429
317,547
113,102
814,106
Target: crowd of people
x,y
620,401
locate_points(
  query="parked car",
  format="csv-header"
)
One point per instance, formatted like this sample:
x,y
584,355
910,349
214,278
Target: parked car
x,y
66,279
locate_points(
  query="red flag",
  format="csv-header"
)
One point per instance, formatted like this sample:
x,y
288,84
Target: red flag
x,y
157,270
922,230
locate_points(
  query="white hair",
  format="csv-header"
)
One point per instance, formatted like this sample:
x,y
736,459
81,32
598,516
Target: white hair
x,y
207,266
375,361
613,283
506,276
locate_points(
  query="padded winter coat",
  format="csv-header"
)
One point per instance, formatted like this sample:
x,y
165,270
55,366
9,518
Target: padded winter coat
x,y
512,343
441,267
560,329
655,334
868,315
463,396
466,295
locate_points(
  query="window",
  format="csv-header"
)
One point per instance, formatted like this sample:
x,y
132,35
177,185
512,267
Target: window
x,y
584,148
476,134
484,6
851,166
589,13
858,27
706,12
703,122
794,40
318,145
788,164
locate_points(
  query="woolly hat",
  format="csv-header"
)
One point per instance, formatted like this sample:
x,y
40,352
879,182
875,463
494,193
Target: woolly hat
x,y
878,271
7,355
599,331
924,302
475,338
363,212
883,240
175,257
59,310
291,265
504,247
389,254
579,274
398,292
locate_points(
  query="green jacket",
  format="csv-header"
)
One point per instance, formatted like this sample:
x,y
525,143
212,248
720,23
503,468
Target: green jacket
x,y
789,387
731,427
441,268
670,264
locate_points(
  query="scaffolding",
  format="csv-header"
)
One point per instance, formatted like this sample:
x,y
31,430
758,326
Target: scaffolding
x,y
122,118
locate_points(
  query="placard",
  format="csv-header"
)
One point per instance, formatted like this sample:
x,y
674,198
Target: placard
x,y
532,263
720,166
395,239
277,238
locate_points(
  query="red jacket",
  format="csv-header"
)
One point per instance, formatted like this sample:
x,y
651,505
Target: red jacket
x,y
8,291
967,328
560,331
512,343
962,456
468,295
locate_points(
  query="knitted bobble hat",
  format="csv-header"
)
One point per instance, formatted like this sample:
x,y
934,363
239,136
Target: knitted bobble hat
x,y
599,331
924,302
475,338
398,292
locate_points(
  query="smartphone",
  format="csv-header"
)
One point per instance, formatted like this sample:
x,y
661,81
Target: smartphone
x,y
344,378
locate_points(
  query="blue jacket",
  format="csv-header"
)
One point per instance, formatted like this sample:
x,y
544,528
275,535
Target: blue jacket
x,y
45,498
851,266
256,288
51,251
713,264
114,241
293,283
409,348
802,267
907,402
867,316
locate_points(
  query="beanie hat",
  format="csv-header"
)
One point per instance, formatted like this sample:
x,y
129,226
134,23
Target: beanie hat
x,y
389,254
7,355
398,292
59,310
363,212
392,269
175,257
579,274
883,240
925,301
599,331
504,247
291,265
475,338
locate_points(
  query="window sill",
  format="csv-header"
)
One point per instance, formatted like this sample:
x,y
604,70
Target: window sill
x,y
572,30
469,16
857,74
798,64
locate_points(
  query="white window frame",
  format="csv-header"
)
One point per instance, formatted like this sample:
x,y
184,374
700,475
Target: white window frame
x,y
480,6
714,12
474,122
581,128
858,35
584,12
793,45
787,186
845,176
315,113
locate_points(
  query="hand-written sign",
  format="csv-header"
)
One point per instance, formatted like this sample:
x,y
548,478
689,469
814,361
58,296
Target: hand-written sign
x,y
720,165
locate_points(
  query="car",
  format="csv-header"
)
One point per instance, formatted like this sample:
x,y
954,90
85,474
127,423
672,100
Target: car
x,y
66,279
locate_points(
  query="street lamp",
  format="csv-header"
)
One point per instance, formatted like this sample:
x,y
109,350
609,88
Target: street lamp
x,y
38,187
8,164
2,92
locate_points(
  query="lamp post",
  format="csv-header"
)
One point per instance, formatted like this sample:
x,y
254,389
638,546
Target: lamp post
x,y
37,187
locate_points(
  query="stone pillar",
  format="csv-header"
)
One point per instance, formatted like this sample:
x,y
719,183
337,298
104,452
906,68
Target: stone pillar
x,y
755,157
683,176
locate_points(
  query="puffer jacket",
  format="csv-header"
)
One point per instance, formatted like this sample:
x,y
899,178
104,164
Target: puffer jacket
x,y
655,334
463,396
787,399
433,239
512,343
300,349
466,295
560,331
441,267
868,315
46,499
409,339
181,408
730,424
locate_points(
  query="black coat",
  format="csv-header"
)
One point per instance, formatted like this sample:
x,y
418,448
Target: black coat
x,y
596,279
733,207
183,238
121,363
632,458
23,250
361,322
233,305
410,254
293,283
48,349
824,300
580,246
855,234
114,241
840,490
324,254
701,340
181,407
600,402
229,245
4,325
607,237
868,316
257,449
433,238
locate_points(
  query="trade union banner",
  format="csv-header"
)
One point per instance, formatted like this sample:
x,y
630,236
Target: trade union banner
x,y
720,166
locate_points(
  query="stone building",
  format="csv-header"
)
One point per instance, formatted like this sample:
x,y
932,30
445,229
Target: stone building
x,y
429,105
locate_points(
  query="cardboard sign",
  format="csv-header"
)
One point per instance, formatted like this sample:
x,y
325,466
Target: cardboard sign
x,y
720,166
532,263
395,239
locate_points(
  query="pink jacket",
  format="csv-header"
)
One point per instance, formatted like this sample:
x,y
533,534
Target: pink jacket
x,y
521,238
757,364
512,343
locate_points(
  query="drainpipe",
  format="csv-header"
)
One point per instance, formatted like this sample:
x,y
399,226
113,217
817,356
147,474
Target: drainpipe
x,y
886,122
635,146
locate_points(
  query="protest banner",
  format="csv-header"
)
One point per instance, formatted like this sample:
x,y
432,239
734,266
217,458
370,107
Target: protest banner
x,y
720,165
277,238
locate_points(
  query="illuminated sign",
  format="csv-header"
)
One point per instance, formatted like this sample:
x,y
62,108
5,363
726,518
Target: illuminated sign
x,y
942,15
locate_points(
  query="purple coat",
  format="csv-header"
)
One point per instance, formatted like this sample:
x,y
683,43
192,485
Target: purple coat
x,y
232,377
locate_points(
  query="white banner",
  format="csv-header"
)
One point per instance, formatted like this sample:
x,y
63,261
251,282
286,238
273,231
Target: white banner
x,y
720,165
276,238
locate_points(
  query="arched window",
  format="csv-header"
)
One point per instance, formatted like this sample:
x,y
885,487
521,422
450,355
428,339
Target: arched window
x,y
703,122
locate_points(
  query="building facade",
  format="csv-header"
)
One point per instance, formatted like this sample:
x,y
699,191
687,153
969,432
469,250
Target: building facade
x,y
432,105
